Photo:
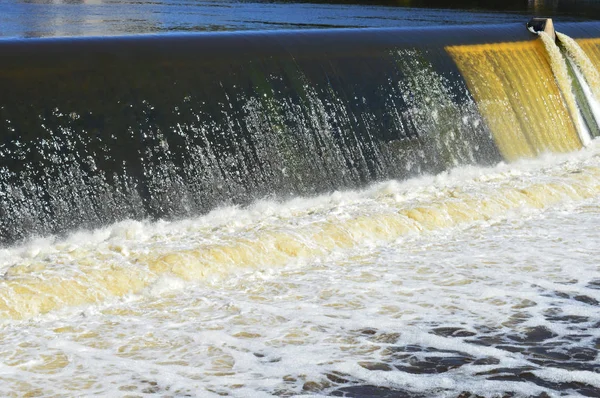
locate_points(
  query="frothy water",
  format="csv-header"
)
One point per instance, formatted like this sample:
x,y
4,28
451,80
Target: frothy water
x,y
587,76
559,69
478,281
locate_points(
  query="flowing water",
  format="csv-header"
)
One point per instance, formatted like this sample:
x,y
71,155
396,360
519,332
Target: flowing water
x,y
483,280
360,213
44,18
526,114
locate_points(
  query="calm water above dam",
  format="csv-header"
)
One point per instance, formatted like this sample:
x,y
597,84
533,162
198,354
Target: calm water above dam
x,y
44,18
365,213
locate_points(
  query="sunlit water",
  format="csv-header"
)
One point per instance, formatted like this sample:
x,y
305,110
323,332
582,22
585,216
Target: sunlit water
x,y
44,18
484,281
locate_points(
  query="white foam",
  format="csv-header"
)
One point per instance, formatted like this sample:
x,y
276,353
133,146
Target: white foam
x,y
290,324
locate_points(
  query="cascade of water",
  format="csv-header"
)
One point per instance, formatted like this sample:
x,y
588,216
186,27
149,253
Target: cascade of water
x,y
171,127
149,134
586,73
584,63
561,74
517,93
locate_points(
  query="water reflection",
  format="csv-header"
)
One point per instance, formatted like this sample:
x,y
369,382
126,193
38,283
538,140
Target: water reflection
x,y
40,18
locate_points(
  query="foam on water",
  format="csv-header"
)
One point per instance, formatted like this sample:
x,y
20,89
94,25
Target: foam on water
x,y
479,280
131,256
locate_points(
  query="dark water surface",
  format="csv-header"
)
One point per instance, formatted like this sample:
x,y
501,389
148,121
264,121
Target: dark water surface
x,y
45,18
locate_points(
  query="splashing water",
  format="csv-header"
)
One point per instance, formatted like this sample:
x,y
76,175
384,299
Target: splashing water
x,y
583,61
585,72
559,68
478,280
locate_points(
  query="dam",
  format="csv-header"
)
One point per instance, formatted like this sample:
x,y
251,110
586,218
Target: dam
x,y
102,130
340,212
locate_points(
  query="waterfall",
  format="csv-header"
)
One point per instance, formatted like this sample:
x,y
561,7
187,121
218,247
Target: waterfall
x,y
517,94
586,73
561,74
100,130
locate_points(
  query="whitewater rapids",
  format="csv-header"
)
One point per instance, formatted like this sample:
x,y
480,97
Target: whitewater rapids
x,y
484,280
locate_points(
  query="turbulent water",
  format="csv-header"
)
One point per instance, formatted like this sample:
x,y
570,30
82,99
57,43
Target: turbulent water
x,y
479,281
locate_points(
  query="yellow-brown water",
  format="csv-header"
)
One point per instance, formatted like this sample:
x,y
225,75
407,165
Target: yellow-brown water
x,y
517,93
592,49
65,275
584,63
319,294
483,280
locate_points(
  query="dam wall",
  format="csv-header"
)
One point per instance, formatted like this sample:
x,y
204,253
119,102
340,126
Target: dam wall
x,y
98,130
